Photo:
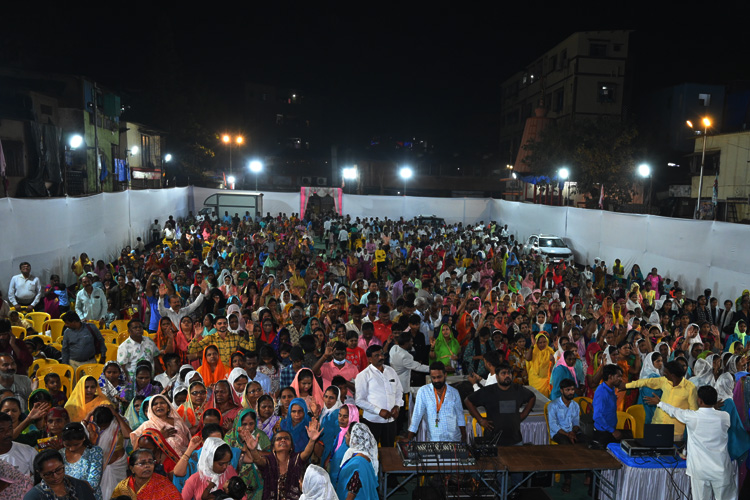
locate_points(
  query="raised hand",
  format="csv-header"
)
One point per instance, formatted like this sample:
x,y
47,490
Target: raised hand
x,y
250,440
195,442
313,430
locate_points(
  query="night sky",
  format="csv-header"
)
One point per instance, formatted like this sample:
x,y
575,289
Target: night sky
x,y
432,70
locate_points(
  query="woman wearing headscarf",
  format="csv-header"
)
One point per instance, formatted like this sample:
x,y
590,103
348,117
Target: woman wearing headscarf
x,y
635,276
214,466
317,485
739,335
741,398
307,388
192,409
331,401
296,421
739,438
446,348
539,360
212,369
348,416
246,421
135,414
237,383
359,468
84,398
163,417
166,457
652,366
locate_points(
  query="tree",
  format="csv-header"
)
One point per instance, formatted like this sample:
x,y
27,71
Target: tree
x,y
596,151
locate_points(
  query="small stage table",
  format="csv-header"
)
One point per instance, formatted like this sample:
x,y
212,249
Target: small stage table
x,y
530,460
488,469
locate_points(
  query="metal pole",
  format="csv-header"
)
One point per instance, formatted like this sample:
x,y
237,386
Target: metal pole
x,y
700,182
96,140
256,181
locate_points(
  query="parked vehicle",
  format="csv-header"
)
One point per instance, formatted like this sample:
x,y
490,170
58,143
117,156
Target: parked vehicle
x,y
551,246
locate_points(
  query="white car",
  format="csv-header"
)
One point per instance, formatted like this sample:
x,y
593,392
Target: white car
x,y
551,246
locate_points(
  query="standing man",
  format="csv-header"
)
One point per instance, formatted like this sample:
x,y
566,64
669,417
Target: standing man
x,y
227,342
91,302
563,415
176,312
708,463
502,402
380,395
82,342
136,348
438,407
25,291
605,407
403,362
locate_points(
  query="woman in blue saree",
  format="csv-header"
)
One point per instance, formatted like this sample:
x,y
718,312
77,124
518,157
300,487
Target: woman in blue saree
x,y
358,479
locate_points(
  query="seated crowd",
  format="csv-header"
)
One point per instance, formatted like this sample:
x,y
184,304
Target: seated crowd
x,y
266,359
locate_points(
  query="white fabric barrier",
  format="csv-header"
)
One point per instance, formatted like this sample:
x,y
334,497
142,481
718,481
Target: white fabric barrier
x,y
453,210
698,254
49,232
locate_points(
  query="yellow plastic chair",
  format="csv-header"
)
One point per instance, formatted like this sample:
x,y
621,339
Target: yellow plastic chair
x,y
19,332
639,414
93,369
475,425
45,339
120,325
110,339
39,363
65,372
57,346
55,328
37,319
625,421
122,337
111,353
546,419
586,404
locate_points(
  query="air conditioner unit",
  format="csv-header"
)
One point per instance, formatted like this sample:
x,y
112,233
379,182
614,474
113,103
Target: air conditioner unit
x,y
307,181
322,181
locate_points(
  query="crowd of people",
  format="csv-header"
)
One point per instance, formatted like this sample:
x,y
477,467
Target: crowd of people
x,y
267,358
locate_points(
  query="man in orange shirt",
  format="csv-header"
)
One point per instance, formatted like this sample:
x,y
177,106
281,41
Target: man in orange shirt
x,y
383,324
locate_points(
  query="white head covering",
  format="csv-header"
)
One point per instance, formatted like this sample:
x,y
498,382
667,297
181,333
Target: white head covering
x,y
234,375
732,364
317,485
336,405
703,373
724,386
648,366
190,376
206,460
363,442
607,355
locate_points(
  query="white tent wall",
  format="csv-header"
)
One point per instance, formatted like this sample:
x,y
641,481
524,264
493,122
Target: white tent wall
x,y
698,254
49,232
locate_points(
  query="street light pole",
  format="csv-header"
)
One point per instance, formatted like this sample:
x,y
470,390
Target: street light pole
x,y
706,124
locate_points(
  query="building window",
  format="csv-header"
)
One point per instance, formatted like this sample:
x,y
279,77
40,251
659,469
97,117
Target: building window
x,y
559,100
607,92
704,100
13,151
617,47
146,151
552,63
563,59
598,50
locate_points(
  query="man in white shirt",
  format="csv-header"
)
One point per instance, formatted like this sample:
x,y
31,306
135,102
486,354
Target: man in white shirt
x,y
136,348
403,362
25,291
91,303
176,312
438,407
19,455
380,395
708,463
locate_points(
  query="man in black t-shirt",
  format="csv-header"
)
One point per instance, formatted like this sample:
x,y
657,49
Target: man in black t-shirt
x,y
502,402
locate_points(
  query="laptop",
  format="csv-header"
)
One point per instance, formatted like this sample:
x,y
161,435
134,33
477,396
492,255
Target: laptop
x,y
657,436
